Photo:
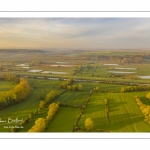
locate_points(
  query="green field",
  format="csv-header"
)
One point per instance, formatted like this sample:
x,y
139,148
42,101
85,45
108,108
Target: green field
x,y
99,71
6,85
89,71
72,98
31,104
69,70
114,52
96,111
64,120
124,114
102,71
87,86
31,122
45,86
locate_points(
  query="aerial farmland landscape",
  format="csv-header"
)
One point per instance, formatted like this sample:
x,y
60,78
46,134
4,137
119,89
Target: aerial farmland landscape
x,y
75,75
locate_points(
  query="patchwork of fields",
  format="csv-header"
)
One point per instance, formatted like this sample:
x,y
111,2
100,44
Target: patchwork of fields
x,y
101,76
124,114
23,109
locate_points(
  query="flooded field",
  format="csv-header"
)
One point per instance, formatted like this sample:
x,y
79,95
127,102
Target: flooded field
x,y
62,62
121,72
144,77
62,65
25,67
110,64
125,68
54,72
35,70
21,65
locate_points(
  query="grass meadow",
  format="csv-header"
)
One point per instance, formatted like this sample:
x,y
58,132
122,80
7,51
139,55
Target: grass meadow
x,y
6,86
72,98
124,114
64,120
31,122
23,109
87,86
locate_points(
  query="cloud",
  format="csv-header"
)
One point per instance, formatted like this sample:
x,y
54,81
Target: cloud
x,y
75,32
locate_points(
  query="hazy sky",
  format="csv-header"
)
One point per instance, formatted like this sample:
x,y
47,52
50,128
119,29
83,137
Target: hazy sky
x,y
75,33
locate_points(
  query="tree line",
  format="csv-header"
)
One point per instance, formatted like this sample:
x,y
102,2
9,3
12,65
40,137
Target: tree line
x,y
64,85
9,77
106,108
15,95
40,121
50,96
125,59
135,88
77,70
144,108
41,124
67,85
76,126
75,87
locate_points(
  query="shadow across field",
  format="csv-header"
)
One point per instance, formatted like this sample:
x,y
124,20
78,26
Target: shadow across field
x,y
97,107
113,105
123,120
145,100
119,123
